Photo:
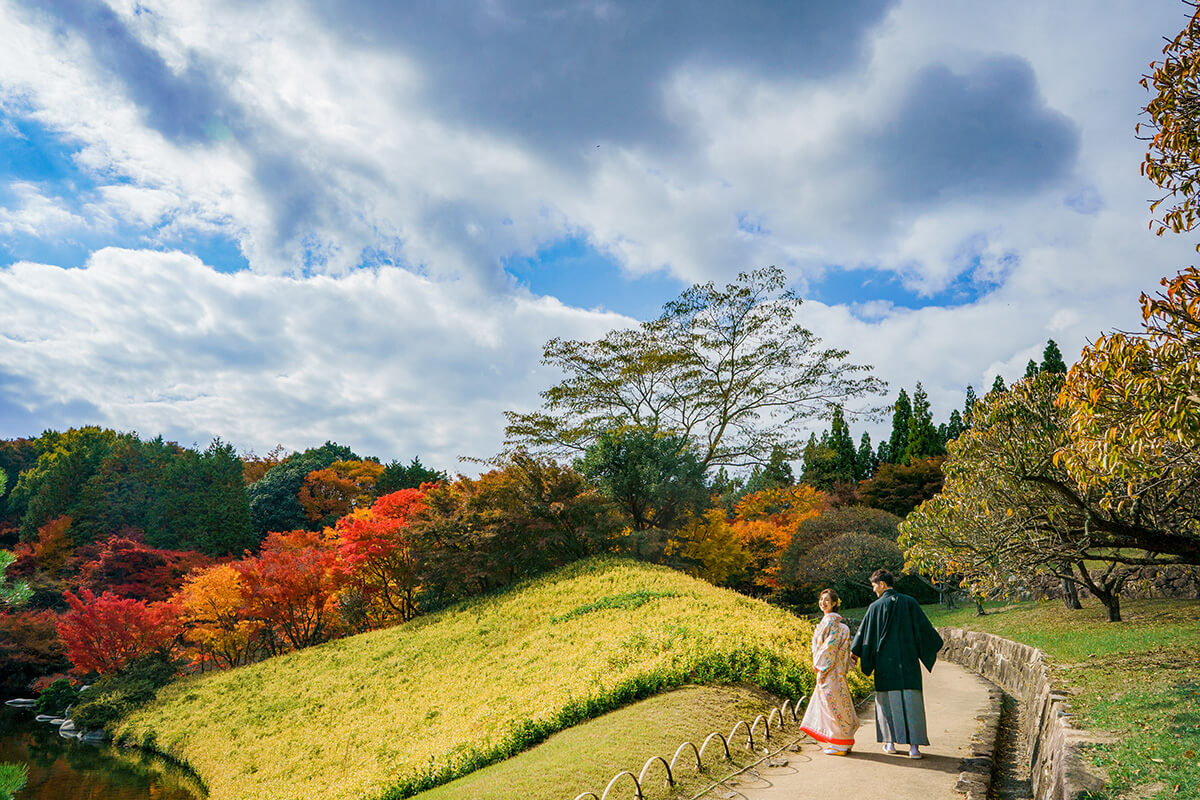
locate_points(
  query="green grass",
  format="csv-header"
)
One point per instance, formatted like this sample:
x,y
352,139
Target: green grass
x,y
1139,679
12,779
587,756
392,713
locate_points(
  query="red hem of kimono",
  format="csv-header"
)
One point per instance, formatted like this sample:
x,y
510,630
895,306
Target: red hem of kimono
x,y
820,737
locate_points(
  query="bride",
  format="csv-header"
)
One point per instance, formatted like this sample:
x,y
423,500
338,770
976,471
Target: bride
x,y
830,717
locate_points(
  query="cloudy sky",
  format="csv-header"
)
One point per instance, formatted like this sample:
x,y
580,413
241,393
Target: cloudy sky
x,y
286,222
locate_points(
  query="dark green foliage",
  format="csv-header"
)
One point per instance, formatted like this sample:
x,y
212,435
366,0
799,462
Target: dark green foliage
x,y
923,439
274,505
767,670
110,482
627,600
954,427
824,528
866,460
845,564
1031,369
1052,359
998,386
114,696
898,441
969,406
16,456
56,698
777,473
656,479
396,476
899,488
832,459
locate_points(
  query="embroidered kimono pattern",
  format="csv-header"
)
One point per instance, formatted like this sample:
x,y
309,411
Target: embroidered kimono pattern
x,y
830,717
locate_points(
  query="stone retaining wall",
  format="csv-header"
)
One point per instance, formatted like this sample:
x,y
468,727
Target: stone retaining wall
x,y
1057,770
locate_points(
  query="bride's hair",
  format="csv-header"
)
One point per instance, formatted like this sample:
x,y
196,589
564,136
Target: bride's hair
x,y
834,600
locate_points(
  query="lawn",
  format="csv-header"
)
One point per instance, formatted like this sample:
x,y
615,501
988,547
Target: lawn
x,y
391,713
1139,679
587,756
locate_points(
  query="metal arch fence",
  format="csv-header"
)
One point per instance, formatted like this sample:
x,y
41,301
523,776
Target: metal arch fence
x,y
787,712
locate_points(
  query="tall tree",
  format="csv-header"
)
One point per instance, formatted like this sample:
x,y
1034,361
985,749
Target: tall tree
x,y
898,441
866,460
274,498
655,478
969,406
1173,157
954,426
731,368
923,440
1031,369
397,476
1052,359
998,387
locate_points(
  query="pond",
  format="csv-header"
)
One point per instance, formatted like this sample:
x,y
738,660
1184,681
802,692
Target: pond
x,y
64,769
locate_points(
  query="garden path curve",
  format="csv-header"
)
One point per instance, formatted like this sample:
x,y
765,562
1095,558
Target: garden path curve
x,y
954,698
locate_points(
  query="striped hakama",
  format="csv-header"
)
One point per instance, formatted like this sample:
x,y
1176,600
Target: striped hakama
x,y
900,717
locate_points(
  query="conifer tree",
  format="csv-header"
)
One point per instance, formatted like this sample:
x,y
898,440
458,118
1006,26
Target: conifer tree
x,y
998,387
923,440
840,441
955,427
867,461
969,406
1031,369
898,441
1052,360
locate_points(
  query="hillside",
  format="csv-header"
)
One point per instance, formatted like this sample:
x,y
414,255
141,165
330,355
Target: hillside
x,y
392,712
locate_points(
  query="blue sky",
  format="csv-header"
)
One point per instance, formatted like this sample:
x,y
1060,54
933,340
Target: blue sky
x,y
283,223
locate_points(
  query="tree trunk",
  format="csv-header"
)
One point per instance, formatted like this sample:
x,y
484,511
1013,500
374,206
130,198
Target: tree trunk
x,y
1107,590
979,612
1070,594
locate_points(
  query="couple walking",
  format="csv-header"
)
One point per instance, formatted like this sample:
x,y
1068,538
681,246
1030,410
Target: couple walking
x,y
894,639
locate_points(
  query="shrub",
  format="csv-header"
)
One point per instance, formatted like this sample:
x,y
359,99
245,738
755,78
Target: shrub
x,y
56,698
112,697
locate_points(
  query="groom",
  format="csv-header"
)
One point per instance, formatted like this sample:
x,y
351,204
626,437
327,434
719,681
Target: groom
x,y
895,638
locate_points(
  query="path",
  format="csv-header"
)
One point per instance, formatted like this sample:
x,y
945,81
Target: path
x,y
953,698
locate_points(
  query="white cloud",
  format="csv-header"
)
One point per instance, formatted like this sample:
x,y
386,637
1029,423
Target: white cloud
x,y
35,214
386,361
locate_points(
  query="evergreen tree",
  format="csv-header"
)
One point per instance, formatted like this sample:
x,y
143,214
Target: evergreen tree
x,y
898,441
840,441
923,440
998,386
955,427
777,473
969,406
1031,369
1052,360
867,462
822,465
883,455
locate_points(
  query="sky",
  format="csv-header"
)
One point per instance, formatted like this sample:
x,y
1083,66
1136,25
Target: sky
x,y
292,222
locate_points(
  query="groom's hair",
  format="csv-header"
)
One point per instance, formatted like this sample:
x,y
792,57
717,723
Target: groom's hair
x,y
882,576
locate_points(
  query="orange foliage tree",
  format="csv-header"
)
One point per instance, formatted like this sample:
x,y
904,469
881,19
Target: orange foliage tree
x,y
291,588
213,611
328,494
376,555
766,521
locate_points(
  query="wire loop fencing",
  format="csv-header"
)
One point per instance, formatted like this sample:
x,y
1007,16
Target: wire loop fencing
x,y
786,713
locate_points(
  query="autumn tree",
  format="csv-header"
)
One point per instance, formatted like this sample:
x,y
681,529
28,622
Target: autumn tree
x,y
766,522
712,549
291,588
375,550
255,466
214,614
731,369
274,499
899,488
1172,159
103,634
126,566
12,593
1133,416
526,516
335,491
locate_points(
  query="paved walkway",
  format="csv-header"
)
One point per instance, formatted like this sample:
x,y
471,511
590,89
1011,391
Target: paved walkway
x,y
953,698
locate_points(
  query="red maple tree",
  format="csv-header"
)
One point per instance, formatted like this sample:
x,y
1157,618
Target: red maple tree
x,y
103,634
